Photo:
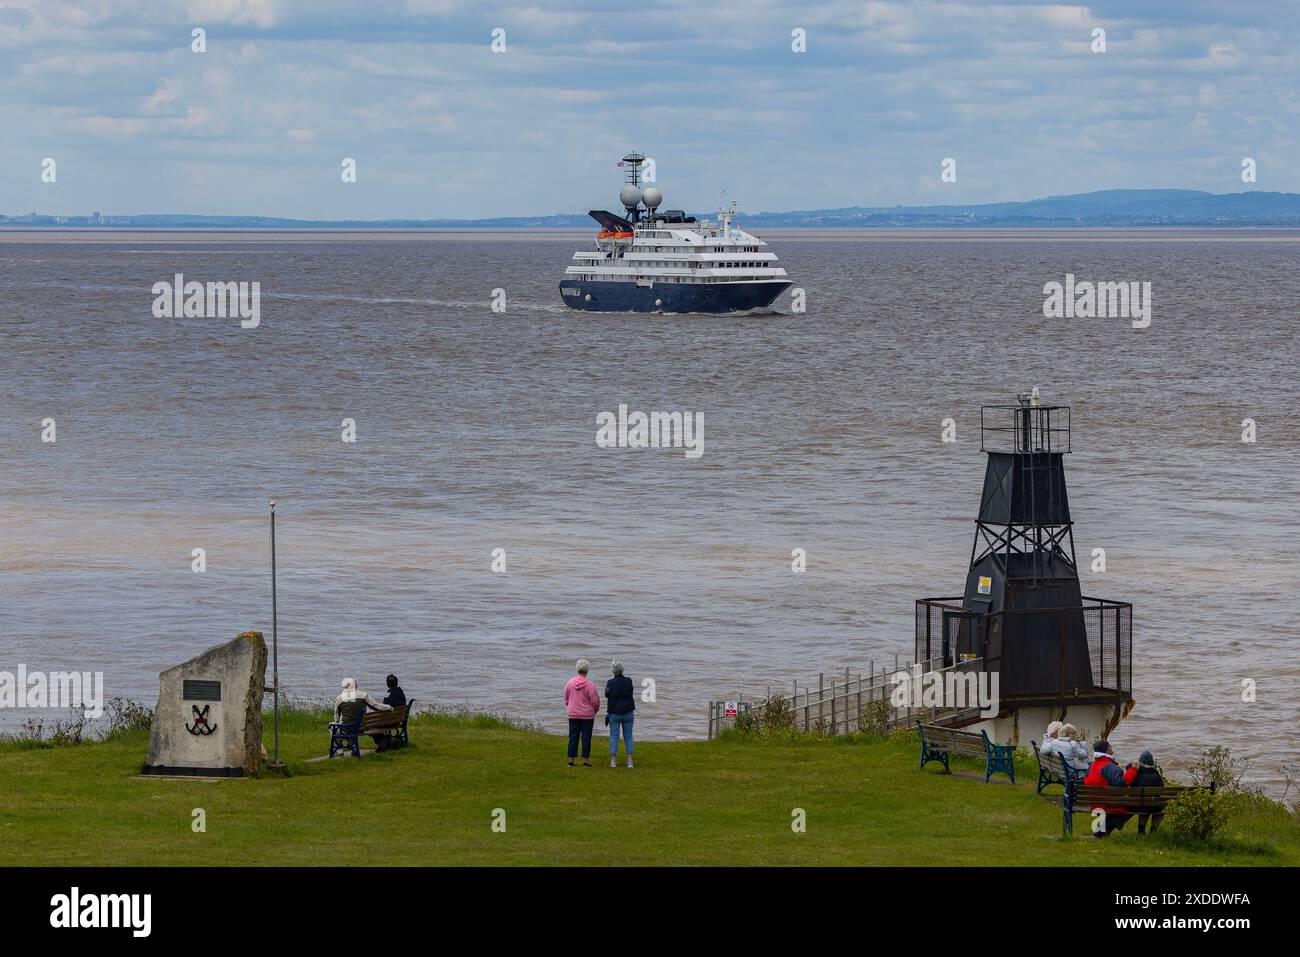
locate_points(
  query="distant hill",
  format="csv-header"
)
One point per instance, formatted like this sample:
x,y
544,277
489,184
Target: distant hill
x,y
1110,207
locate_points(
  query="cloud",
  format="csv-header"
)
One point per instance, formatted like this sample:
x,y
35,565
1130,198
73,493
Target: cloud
x,y
442,126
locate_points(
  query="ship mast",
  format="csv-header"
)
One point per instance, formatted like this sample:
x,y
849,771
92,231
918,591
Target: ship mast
x,y
630,195
724,216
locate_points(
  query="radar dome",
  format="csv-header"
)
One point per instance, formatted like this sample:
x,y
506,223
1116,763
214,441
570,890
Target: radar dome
x,y
629,196
652,197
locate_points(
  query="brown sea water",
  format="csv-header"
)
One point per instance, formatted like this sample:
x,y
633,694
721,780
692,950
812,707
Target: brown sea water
x,y
476,431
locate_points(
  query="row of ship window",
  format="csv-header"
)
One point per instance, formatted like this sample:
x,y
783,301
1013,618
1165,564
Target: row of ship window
x,y
694,264
742,249
696,249
592,277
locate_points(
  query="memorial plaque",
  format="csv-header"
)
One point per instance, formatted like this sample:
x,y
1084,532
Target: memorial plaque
x,y
200,690
208,722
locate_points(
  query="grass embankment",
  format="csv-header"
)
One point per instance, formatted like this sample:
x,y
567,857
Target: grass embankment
x,y
721,802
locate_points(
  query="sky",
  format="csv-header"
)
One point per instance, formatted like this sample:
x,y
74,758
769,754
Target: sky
x,y
441,125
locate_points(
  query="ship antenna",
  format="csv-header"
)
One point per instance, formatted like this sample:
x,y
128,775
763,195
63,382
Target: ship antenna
x,y
630,195
632,164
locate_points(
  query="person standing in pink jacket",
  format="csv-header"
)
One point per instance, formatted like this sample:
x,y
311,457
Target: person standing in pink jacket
x,y
582,701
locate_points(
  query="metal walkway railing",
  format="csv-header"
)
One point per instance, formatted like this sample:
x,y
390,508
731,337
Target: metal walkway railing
x,y
853,702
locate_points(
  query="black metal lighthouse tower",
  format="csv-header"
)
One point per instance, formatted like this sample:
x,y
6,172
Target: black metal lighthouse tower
x,y
1023,613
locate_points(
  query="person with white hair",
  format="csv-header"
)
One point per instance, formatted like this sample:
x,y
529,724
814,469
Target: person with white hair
x,y
581,702
1065,742
619,712
351,703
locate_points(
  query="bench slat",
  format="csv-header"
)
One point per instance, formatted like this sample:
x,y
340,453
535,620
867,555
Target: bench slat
x,y
1128,797
384,719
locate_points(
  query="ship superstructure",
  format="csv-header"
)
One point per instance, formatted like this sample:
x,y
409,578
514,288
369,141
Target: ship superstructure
x,y
653,261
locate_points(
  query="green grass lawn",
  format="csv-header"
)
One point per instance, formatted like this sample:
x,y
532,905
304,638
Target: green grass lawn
x,y
721,802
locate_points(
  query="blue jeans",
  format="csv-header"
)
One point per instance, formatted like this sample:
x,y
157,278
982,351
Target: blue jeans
x,y
623,721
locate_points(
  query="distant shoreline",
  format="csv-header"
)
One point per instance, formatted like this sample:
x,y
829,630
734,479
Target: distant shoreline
x,y
1099,209
330,234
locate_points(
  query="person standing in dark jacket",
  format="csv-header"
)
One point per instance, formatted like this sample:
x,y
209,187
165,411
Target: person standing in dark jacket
x,y
620,712
1145,774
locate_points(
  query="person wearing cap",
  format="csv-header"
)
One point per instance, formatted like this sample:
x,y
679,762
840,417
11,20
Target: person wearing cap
x,y
395,695
1145,774
394,698
1050,736
351,704
1106,773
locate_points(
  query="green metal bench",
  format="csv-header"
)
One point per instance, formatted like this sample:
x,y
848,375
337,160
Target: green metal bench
x,y
1054,771
938,743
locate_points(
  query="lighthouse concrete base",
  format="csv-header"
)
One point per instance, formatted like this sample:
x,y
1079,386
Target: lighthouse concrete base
x,y
1026,724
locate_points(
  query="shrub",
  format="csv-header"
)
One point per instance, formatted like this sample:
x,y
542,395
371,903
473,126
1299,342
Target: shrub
x,y
125,716
61,731
1196,815
874,717
771,718
1221,766
778,713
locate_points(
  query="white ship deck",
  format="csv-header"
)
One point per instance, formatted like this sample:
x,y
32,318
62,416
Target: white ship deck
x,y
677,253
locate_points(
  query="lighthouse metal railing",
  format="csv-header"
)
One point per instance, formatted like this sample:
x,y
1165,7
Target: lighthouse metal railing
x,y
848,702
946,630
1025,428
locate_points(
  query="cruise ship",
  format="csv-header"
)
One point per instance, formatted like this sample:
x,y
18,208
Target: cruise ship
x,y
652,261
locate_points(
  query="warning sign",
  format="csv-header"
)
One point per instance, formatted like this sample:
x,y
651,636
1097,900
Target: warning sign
x,y
986,585
730,709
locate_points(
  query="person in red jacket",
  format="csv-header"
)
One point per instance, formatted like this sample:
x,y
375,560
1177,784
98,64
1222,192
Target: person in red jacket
x,y
1105,772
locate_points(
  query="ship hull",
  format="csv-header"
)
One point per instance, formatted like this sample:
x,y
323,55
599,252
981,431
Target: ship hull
x,y
671,297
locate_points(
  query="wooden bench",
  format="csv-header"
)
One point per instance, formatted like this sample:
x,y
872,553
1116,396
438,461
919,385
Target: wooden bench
x,y
1052,769
347,736
937,743
1079,797
394,722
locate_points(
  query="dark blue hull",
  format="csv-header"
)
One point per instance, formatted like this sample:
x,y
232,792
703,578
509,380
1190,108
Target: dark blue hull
x,y
671,297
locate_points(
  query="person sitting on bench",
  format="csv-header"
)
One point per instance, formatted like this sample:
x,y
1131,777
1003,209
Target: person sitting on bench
x,y
350,705
1106,773
1065,742
395,698
1145,774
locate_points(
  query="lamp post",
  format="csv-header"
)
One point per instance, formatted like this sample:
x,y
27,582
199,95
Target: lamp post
x,y
275,649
